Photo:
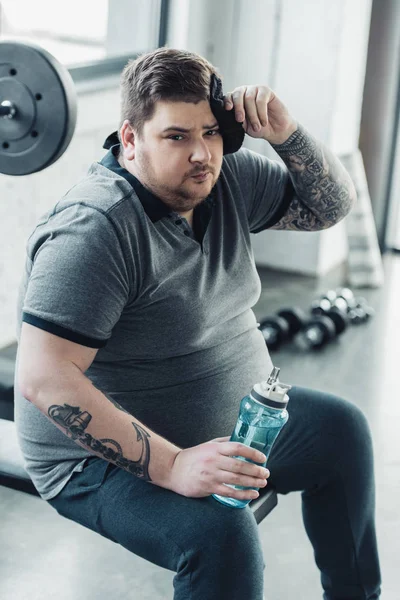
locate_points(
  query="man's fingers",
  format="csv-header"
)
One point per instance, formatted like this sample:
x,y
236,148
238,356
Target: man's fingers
x,y
228,101
262,99
239,449
237,98
234,465
250,107
250,104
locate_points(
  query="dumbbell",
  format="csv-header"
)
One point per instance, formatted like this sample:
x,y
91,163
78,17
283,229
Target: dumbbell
x,y
322,328
281,327
333,299
357,309
362,312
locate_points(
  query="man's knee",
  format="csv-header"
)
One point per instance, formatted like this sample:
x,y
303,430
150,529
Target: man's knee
x,y
350,434
349,422
231,532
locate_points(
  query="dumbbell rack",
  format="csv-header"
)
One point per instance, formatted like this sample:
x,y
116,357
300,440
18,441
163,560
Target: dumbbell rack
x,y
331,315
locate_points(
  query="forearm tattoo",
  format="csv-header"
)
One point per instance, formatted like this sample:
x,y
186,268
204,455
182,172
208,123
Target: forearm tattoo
x,y
75,421
323,190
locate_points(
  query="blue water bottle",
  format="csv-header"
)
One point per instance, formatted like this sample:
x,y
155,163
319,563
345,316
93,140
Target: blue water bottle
x,y
262,415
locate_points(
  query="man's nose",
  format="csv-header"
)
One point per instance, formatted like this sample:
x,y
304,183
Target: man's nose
x,y
200,152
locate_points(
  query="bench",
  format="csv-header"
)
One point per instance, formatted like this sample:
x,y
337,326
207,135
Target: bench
x,y
13,474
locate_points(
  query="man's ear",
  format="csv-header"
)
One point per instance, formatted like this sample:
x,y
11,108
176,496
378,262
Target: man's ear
x,y
127,136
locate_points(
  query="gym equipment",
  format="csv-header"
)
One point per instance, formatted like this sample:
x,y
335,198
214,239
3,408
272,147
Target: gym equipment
x,y
362,311
37,108
356,308
322,328
12,471
7,370
282,327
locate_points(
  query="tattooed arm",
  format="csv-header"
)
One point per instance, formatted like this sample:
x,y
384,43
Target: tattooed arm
x,y
51,376
323,193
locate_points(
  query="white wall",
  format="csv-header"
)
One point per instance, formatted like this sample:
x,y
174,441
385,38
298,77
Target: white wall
x,y
126,32
313,55
25,199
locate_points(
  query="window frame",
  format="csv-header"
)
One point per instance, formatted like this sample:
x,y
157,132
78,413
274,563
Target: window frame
x,y
110,67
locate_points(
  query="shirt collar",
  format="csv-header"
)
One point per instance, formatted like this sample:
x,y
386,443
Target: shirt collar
x,y
152,205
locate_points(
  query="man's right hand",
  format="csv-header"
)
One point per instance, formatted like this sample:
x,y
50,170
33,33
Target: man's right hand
x,y
202,470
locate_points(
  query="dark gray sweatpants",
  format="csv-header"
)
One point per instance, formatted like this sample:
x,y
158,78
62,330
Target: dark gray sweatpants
x,y
325,451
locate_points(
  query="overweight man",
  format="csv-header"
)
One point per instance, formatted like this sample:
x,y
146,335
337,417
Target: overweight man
x,y
137,341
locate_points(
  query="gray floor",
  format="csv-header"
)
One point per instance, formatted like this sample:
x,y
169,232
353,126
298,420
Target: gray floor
x,y
44,557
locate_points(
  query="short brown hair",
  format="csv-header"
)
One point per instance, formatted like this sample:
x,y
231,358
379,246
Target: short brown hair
x,y
163,74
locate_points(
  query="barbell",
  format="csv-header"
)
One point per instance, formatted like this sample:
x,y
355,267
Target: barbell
x,y
38,108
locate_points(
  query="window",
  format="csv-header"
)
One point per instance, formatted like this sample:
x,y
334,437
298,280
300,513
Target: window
x,y
86,32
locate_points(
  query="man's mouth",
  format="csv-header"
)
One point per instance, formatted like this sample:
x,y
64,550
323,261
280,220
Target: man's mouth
x,y
201,176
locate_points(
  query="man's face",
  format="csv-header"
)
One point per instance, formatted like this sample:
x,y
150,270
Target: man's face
x,y
178,155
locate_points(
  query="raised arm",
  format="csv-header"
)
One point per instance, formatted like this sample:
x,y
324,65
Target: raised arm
x,y
322,190
323,193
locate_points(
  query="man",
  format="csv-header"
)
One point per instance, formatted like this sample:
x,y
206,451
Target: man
x,y
138,341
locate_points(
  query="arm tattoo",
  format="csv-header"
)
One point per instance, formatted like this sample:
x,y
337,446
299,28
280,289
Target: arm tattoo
x,y
75,421
324,192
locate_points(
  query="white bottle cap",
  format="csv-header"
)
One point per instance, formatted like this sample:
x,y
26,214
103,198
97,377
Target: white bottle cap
x,y
272,393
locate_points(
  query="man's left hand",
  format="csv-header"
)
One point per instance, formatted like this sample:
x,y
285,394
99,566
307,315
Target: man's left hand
x,y
262,113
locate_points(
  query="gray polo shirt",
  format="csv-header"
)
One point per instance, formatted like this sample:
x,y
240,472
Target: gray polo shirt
x,y
170,308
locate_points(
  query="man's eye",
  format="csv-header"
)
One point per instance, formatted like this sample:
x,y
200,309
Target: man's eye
x,y
173,137
212,132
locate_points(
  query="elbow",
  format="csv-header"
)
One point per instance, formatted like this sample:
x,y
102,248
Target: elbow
x,y
26,389
347,201
27,385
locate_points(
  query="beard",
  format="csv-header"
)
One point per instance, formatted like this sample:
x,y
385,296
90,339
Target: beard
x,y
178,198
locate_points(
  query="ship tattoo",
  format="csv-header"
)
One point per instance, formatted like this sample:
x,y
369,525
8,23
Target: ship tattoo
x,y
75,421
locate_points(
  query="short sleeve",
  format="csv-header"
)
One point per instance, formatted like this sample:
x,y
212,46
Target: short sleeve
x,y
78,284
265,186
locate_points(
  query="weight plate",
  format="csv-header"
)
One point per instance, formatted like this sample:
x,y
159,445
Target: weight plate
x,y
318,332
345,293
18,94
342,304
44,95
295,317
339,319
330,295
275,331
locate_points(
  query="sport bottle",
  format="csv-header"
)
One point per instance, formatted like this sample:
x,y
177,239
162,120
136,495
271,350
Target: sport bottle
x,y
262,415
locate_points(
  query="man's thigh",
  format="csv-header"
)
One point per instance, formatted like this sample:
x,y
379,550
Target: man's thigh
x,y
152,522
322,431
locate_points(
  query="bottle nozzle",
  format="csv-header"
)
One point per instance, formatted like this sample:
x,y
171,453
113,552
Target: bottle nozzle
x,y
272,392
273,377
